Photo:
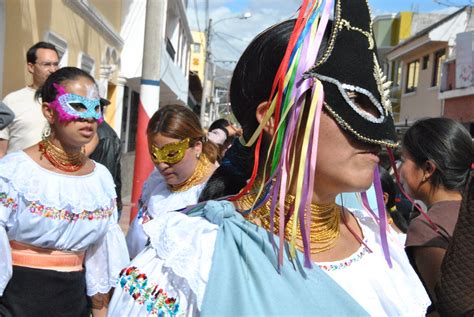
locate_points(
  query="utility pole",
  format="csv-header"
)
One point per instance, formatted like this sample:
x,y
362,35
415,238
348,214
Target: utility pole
x,y
206,71
149,92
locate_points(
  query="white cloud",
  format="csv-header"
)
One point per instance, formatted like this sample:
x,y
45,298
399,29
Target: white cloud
x,y
231,36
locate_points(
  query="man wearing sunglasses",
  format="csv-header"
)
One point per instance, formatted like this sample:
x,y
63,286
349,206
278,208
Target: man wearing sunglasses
x,y
26,129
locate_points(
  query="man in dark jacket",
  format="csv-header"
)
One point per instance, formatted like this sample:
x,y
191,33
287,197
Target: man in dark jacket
x,y
106,149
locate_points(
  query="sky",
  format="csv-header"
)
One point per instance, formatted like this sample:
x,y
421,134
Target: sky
x,y
230,35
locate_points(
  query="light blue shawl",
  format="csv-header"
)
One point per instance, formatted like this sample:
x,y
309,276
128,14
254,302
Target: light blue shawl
x,y
244,278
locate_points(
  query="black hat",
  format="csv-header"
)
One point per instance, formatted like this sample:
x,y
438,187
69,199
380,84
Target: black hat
x,y
350,64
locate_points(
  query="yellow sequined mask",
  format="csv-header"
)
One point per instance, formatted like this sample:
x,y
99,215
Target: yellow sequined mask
x,y
170,153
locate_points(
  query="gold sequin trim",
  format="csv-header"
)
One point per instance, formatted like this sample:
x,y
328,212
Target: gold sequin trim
x,y
338,25
346,126
334,32
383,86
346,24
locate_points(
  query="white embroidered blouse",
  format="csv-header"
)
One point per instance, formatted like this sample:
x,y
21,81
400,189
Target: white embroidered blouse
x,y
169,277
155,199
61,212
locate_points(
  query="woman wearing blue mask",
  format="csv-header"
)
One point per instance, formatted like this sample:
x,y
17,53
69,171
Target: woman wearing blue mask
x,y
60,241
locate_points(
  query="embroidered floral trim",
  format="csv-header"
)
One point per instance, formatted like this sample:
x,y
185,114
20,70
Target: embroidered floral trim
x,y
64,214
345,263
150,294
8,202
143,211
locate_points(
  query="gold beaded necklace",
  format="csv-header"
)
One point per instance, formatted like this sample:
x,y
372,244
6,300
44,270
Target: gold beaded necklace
x,y
201,171
68,162
324,227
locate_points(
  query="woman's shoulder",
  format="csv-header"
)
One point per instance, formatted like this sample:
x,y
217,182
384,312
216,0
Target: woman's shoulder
x,y
13,159
366,221
160,199
177,228
424,233
153,183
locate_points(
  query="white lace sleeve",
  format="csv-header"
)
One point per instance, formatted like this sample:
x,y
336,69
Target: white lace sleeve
x,y
8,204
136,237
105,259
186,245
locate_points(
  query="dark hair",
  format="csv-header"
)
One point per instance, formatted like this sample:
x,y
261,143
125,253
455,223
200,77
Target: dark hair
x,y
31,53
389,187
447,144
220,124
180,122
254,74
251,84
48,92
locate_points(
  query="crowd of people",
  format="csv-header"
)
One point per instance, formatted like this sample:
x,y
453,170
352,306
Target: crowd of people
x,y
240,221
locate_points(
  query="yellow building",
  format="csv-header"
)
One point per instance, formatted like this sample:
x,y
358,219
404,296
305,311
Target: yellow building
x,y
86,34
389,30
198,53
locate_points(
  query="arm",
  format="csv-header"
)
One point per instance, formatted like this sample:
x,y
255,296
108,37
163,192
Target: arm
x,y
3,147
117,174
8,204
100,303
6,115
428,262
103,262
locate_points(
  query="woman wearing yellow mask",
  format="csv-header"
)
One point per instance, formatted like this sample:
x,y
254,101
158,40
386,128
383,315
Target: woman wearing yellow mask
x,y
184,160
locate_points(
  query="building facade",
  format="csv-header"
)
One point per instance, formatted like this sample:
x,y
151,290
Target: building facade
x,y
420,59
174,58
389,30
85,32
457,87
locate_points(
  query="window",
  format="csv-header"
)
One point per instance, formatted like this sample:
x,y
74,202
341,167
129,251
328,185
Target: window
x,y
398,75
196,47
439,57
129,119
426,60
170,49
412,76
61,47
395,73
86,63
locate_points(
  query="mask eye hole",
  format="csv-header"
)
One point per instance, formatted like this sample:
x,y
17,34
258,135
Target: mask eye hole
x,y
97,109
78,106
172,154
363,103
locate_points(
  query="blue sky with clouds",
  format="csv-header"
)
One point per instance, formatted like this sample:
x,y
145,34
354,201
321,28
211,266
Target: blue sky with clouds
x,y
231,35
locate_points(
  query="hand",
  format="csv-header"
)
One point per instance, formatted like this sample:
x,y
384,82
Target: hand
x,y
233,131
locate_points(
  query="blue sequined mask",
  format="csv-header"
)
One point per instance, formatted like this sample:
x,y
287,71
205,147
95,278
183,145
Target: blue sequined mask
x,y
73,107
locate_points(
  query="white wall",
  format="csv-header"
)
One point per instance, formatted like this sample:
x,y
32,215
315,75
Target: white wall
x,y
172,77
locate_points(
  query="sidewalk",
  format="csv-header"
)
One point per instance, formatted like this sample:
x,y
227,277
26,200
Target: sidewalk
x,y
125,218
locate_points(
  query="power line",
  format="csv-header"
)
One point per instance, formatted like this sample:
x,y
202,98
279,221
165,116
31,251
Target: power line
x,y
197,16
449,3
232,36
238,51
